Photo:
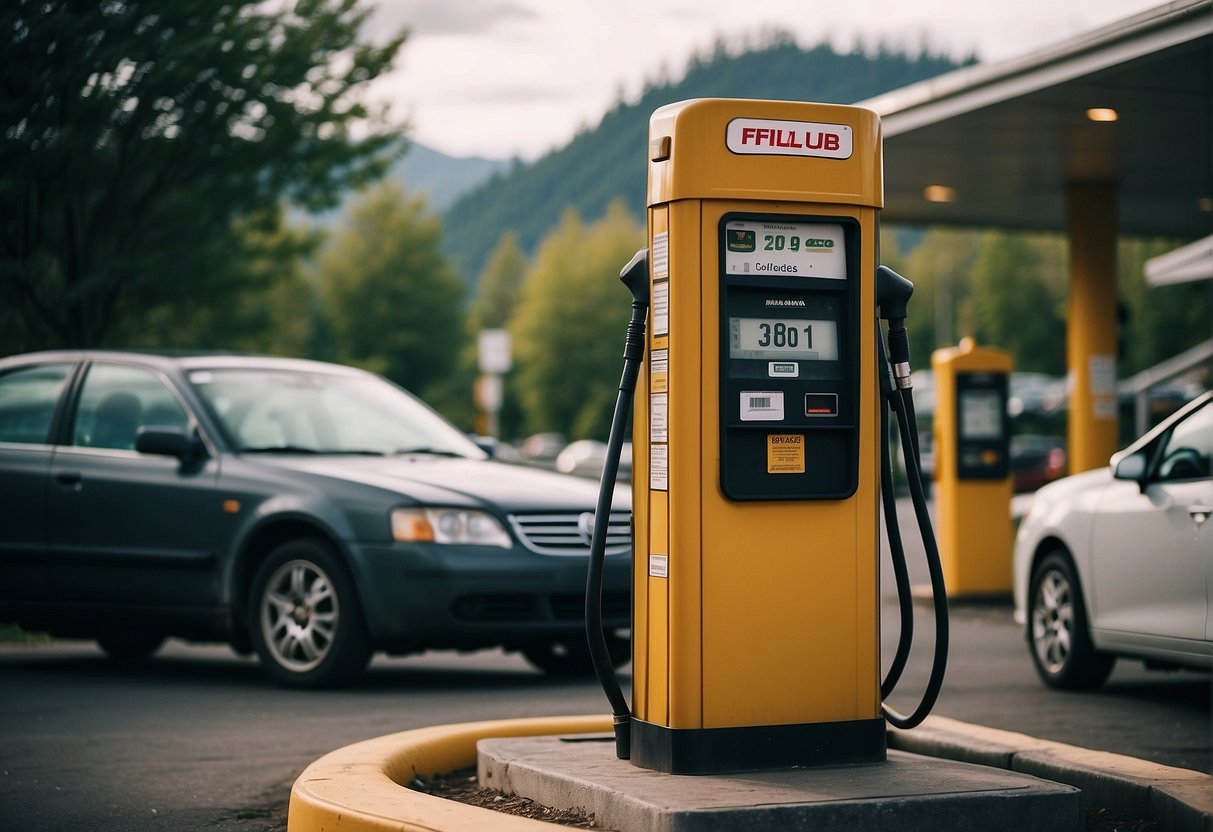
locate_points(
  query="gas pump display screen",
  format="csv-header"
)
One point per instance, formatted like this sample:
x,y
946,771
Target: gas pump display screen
x,y
789,332
783,338
769,248
980,414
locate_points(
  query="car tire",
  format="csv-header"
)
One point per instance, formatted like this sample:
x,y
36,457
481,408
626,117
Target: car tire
x,y
304,618
1059,636
130,645
571,657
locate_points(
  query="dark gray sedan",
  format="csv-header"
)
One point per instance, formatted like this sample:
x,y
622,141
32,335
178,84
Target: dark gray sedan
x,y
311,512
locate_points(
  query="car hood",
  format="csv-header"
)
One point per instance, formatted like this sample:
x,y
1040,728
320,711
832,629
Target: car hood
x,y
434,480
1067,487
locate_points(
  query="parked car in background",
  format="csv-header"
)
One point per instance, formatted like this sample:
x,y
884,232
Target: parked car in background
x,y
1036,460
1118,561
311,512
587,458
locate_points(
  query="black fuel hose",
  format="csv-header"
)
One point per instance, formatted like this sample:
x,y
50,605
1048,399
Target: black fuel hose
x,y
635,276
902,403
901,575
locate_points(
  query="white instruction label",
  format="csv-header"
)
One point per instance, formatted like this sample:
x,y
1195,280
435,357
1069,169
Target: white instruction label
x,y
659,566
659,418
661,308
762,406
659,467
661,255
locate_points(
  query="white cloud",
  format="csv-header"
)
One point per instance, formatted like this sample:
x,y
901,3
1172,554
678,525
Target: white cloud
x,y
519,77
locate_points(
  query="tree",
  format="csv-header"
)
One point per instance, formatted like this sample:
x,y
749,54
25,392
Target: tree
x,y
1162,321
500,285
569,328
939,268
1011,306
259,300
135,134
391,299
497,295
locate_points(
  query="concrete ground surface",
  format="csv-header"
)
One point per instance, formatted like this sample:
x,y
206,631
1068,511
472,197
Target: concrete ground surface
x,y
907,792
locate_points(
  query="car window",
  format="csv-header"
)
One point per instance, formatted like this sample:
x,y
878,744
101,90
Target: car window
x,y
314,412
116,401
1189,448
27,402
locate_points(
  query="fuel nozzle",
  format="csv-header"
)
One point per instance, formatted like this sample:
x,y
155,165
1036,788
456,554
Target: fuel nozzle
x,y
635,275
892,297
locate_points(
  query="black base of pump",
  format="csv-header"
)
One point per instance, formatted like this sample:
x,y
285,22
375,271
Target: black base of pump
x,y
722,750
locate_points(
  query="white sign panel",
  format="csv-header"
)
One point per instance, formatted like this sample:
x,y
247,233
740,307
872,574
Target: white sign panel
x,y
493,347
785,249
769,137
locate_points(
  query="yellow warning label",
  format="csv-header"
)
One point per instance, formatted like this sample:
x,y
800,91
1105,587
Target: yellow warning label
x,y
785,453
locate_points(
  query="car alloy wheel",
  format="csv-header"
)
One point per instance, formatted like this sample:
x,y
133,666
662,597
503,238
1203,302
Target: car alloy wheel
x,y
1060,640
305,620
1053,621
300,614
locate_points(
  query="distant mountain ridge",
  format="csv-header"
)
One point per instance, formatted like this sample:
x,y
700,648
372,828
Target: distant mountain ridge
x,y
444,178
608,162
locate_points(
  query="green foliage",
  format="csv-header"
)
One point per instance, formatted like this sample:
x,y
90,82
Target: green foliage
x,y
608,163
497,297
137,134
1010,304
569,328
258,300
391,300
1160,321
939,268
500,286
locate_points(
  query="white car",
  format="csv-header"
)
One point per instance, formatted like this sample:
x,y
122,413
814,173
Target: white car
x,y
1119,561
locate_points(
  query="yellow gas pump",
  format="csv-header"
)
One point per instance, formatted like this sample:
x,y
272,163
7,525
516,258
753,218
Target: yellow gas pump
x,y
756,443
973,468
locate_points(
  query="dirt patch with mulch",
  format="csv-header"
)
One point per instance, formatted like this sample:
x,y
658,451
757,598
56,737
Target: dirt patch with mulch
x,y
463,786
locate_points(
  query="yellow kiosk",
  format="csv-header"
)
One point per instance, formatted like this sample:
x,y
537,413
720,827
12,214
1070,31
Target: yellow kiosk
x,y
754,440
757,446
973,468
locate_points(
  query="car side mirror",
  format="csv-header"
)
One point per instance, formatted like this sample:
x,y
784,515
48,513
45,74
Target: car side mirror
x,y
1131,467
167,441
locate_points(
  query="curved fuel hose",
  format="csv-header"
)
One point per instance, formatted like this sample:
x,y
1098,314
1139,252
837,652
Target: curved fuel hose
x,y
635,276
901,575
893,292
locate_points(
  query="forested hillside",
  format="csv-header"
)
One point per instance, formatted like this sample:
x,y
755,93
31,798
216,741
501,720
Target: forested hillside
x,y
608,162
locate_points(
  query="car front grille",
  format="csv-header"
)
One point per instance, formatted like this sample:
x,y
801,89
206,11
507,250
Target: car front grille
x,y
569,533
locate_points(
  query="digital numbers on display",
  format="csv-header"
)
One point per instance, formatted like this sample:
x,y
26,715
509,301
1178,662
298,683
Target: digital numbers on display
x,y
809,340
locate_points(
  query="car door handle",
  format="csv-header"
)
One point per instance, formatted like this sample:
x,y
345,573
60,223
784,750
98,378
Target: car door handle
x,y
1200,513
70,479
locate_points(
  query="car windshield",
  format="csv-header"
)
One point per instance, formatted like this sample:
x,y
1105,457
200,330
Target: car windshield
x,y
294,411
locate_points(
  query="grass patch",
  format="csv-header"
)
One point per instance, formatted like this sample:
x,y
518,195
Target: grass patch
x,y
12,634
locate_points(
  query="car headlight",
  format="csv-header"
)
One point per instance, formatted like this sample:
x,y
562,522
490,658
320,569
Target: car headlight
x,y
448,525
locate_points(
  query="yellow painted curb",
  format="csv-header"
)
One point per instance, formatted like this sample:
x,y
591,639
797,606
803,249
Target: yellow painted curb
x,y
363,787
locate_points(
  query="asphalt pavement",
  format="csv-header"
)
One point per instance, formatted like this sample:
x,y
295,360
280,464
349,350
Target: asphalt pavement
x,y
197,739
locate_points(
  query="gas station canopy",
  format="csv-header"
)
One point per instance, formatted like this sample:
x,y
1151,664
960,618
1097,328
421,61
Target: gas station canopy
x,y
1128,105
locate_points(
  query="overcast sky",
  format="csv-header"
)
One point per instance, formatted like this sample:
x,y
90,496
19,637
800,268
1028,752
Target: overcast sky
x,y
503,78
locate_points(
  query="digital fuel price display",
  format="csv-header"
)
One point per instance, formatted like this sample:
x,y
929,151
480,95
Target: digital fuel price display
x,y
785,249
783,338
